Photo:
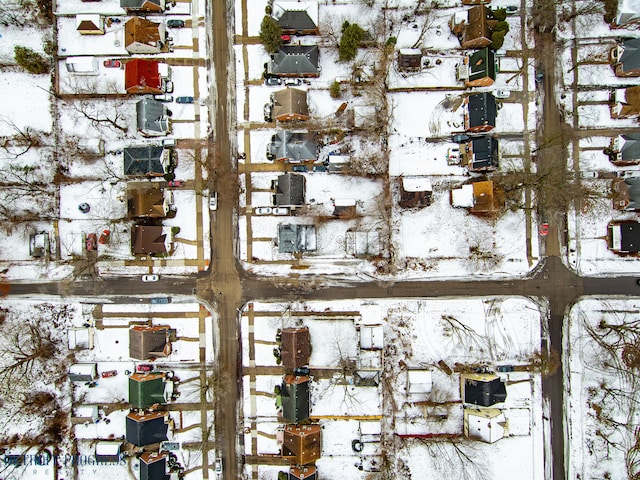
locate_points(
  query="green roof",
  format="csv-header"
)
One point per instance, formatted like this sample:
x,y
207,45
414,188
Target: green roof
x,y
146,390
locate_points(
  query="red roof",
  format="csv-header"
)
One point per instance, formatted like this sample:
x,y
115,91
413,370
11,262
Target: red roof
x,y
141,75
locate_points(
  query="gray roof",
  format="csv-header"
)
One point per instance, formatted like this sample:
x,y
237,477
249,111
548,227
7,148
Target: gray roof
x,y
296,59
630,149
296,238
634,193
134,4
294,147
152,117
290,190
630,58
143,160
296,20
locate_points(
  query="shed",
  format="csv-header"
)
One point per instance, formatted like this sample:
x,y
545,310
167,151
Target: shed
x,y
108,451
415,192
83,372
419,382
80,338
92,24
371,337
409,59
84,414
485,424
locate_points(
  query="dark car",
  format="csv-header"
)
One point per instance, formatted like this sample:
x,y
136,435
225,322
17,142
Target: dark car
x,y
184,100
92,242
301,371
300,168
504,368
272,81
175,23
267,112
460,138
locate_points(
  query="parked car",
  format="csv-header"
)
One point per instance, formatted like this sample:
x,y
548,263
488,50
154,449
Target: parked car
x,y
144,368
213,201
292,82
114,20
112,63
301,371
272,81
160,300
163,98
267,109
280,211
502,93
92,242
504,368
109,373
150,278
544,229
263,211
218,465
460,138
511,9
285,38
299,168
184,100
175,23
167,86
104,237
175,183
319,168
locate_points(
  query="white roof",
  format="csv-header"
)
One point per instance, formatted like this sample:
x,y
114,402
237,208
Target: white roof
x,y
420,381
462,197
344,202
371,337
83,368
416,184
339,158
86,411
78,338
486,429
410,51
108,448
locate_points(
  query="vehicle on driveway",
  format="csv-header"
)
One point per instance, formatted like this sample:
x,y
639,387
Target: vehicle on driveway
x,y
544,229
502,93
263,211
267,112
218,465
319,168
160,300
285,38
92,242
184,100
144,368
213,201
504,368
150,278
167,86
460,138
163,98
175,23
272,81
109,373
104,237
280,211
175,183
299,168
292,82
112,63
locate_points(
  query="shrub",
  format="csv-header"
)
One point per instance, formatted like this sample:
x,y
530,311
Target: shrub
x,y
500,14
391,41
352,35
334,90
268,9
501,27
30,60
497,39
270,33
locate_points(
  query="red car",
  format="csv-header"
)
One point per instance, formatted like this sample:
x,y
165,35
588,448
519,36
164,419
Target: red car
x,y
175,183
110,373
144,368
92,242
285,38
544,229
104,237
112,63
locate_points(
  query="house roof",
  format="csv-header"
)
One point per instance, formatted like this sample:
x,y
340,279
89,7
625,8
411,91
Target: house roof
x,y
630,58
485,152
140,74
294,146
290,102
480,23
148,239
296,20
143,160
149,342
482,63
295,347
626,236
141,30
485,199
90,22
146,428
627,101
485,424
153,466
294,238
146,389
629,145
108,451
483,389
307,472
482,109
290,189
302,442
138,4
294,393
152,116
628,12
420,381
145,202
296,59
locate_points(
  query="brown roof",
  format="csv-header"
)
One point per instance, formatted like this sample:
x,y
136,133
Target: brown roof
x,y
480,23
149,342
147,240
141,30
485,198
145,202
290,104
631,105
295,347
301,443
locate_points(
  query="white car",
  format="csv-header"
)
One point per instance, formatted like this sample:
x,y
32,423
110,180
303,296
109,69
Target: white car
x,y
150,278
502,93
280,211
218,465
213,201
263,211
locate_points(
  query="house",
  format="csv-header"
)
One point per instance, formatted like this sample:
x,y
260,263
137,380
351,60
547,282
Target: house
x,y
149,202
297,18
294,393
480,112
295,238
627,15
146,428
150,160
39,244
415,192
483,389
90,24
290,189
143,5
485,424
80,338
419,383
481,198
624,149
624,236
144,36
476,30
292,147
147,342
305,472
148,240
625,58
152,118
625,102
83,372
295,61
142,76
295,347
478,69
301,443
108,451
482,154
147,389
626,193
290,104
153,466
409,59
